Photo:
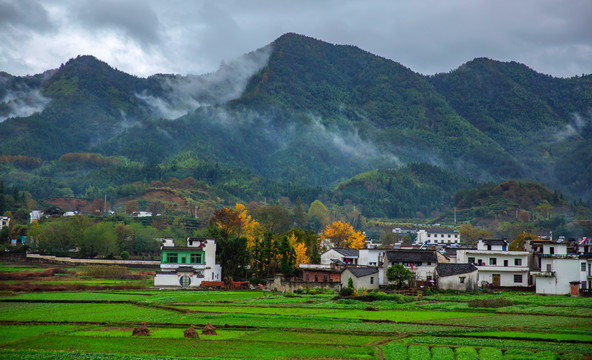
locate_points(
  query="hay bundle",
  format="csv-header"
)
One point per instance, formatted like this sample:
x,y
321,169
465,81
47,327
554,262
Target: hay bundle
x,y
209,329
141,330
191,333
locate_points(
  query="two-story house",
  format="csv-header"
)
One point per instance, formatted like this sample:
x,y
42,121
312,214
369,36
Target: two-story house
x,y
558,268
437,237
188,266
421,262
497,266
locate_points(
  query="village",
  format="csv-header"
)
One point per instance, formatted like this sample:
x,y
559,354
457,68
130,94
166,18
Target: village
x,y
549,267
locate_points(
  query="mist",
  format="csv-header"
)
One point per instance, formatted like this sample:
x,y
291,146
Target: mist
x,y
21,102
573,129
178,95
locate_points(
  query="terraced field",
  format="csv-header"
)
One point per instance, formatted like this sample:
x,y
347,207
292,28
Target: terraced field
x,y
261,325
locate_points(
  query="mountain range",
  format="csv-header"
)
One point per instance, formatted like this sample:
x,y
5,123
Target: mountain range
x,y
304,112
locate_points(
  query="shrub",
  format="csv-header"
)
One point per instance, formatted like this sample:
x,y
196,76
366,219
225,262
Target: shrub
x,y
124,255
346,291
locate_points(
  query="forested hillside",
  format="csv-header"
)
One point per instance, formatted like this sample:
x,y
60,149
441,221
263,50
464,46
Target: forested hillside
x,y
298,117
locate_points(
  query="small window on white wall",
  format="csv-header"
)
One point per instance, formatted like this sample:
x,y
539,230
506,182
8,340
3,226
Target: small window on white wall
x,y
583,266
462,279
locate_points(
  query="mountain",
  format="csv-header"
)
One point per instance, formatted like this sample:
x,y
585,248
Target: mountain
x,y
309,113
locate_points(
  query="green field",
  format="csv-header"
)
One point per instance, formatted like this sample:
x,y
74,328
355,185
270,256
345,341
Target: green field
x,y
98,324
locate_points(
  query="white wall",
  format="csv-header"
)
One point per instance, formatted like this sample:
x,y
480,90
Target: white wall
x,y
565,271
359,283
471,282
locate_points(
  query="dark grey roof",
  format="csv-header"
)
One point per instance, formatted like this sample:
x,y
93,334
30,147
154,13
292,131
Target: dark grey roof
x,y
182,248
361,272
411,256
337,262
454,269
495,241
348,252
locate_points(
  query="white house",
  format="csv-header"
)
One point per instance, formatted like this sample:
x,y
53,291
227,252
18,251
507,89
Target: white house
x,y
421,262
188,266
362,277
35,215
557,269
492,244
437,237
497,267
585,250
346,256
4,222
462,277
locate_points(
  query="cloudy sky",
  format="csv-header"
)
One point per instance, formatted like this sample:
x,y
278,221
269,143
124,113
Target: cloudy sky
x,y
144,37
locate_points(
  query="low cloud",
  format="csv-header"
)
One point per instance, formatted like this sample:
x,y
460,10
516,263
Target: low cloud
x,y
20,100
572,129
179,95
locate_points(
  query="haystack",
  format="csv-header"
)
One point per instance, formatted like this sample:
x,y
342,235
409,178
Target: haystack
x,y
141,330
191,333
209,329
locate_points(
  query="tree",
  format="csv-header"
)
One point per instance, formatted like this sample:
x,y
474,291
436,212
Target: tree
x,y
470,235
343,235
274,218
318,215
518,243
287,256
132,207
301,257
299,214
545,208
399,274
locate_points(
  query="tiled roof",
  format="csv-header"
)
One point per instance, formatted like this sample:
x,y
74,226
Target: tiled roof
x,y
361,272
348,252
494,242
454,269
411,256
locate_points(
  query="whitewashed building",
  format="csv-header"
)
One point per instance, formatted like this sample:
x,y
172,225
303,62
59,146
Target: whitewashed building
x,y
437,237
421,262
557,269
461,277
362,277
497,266
187,266
4,222
336,255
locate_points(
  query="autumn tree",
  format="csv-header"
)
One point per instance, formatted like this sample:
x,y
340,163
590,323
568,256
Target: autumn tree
x,y
343,235
132,207
545,208
470,235
518,243
301,257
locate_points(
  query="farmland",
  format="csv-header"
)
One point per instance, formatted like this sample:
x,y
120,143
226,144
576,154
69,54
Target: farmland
x,y
98,323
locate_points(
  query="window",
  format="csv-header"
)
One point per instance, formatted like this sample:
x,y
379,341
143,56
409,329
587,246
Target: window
x,y
448,235
506,263
492,261
172,258
517,262
488,247
583,266
462,279
429,277
480,262
196,258
307,278
471,260
325,278
551,250
371,279
549,268
517,278
429,263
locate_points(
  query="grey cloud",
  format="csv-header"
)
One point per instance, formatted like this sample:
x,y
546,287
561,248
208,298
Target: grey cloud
x,y
134,18
27,14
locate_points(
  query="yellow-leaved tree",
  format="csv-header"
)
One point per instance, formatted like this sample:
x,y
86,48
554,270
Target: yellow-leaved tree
x,y
301,257
237,222
342,235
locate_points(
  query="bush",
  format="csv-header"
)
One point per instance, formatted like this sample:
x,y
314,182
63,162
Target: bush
x,y
490,303
124,255
346,291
